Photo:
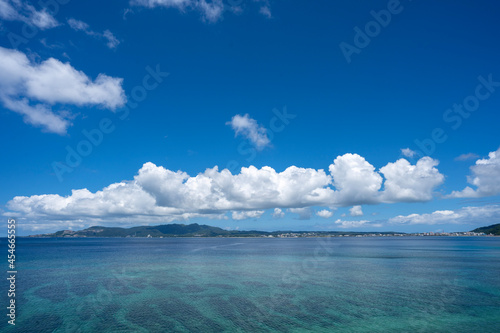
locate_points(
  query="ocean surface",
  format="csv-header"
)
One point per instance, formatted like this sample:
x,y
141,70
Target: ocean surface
x,y
379,284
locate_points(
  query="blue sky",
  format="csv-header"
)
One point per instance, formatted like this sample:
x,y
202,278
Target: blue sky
x,y
373,115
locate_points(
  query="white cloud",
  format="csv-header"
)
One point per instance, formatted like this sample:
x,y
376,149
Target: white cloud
x,y
485,177
251,189
356,211
465,215
250,129
353,224
278,213
407,152
255,214
410,183
17,10
23,84
77,25
355,179
159,194
325,213
467,192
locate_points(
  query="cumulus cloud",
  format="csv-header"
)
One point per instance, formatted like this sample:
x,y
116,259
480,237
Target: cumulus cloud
x,y
17,10
77,25
407,152
410,183
160,194
356,211
325,213
249,129
355,179
251,189
30,89
157,192
278,213
485,177
465,215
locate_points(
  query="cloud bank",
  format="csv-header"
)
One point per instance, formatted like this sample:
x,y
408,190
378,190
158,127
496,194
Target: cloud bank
x,y
465,215
159,194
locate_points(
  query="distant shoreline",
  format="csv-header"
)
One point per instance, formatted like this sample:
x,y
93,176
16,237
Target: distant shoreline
x,y
252,237
205,231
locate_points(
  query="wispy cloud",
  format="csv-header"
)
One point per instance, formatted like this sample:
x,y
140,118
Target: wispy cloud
x,y
265,8
77,25
211,11
266,11
17,10
466,157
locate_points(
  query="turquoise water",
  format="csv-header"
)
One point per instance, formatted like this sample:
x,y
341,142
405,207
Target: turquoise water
x,y
431,284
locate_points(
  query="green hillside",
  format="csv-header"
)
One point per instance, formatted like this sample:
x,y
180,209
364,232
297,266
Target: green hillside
x,y
492,229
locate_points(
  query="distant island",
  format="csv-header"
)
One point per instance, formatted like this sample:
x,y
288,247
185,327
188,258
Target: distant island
x,y
197,230
192,230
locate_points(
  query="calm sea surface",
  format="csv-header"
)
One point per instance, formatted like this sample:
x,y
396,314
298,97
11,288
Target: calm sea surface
x,y
431,284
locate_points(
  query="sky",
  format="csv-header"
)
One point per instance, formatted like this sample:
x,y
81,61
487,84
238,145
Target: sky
x,y
250,114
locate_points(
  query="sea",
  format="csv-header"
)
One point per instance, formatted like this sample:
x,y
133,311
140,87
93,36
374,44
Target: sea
x,y
339,284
